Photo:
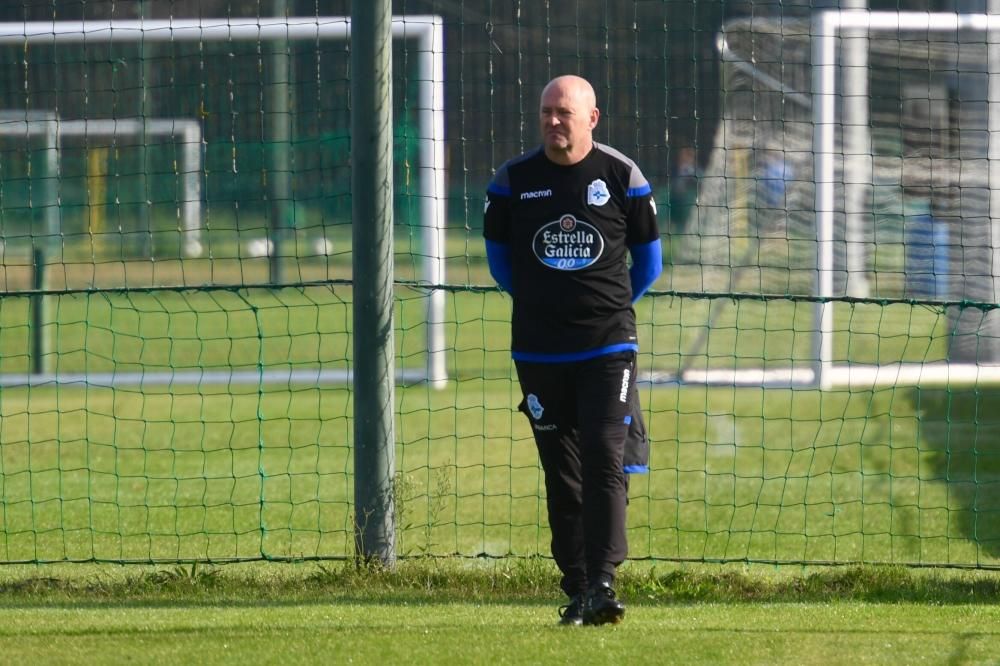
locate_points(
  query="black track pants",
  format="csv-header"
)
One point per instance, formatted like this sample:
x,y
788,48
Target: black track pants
x,y
578,415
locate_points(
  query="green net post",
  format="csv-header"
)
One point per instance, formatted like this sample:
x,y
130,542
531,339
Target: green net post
x,y
279,148
374,361
42,252
37,312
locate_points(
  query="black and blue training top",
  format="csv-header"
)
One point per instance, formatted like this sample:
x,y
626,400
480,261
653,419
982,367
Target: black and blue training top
x,y
558,238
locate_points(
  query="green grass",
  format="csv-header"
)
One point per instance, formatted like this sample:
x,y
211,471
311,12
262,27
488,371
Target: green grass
x,y
501,633
499,612
193,471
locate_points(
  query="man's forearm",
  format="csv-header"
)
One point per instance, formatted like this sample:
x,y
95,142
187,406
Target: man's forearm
x,y
647,263
501,267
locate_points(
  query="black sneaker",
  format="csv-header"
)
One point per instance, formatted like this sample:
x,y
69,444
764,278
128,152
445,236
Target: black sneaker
x,y
601,607
571,615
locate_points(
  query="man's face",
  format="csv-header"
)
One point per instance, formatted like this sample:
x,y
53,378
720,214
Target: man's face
x,y
567,120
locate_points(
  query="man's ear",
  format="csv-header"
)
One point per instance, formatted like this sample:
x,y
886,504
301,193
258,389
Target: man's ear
x,y
594,117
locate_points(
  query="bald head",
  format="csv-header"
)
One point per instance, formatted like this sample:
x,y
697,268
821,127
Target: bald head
x,y
575,87
568,114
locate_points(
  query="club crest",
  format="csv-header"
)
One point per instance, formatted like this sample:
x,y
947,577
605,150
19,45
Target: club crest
x,y
597,193
535,407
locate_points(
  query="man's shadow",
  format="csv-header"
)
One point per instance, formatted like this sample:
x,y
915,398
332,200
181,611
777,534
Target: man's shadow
x,y
959,440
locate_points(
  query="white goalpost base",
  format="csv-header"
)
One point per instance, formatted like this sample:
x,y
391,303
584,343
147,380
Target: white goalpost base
x,y
426,30
288,377
937,374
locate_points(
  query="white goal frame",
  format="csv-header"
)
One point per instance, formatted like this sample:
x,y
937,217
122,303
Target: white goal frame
x,y
853,29
827,28
48,124
427,30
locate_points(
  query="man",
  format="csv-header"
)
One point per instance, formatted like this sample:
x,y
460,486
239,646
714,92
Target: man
x,y
560,221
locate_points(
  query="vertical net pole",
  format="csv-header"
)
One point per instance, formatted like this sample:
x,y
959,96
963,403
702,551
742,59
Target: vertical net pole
x,y
374,362
824,108
857,152
432,184
50,248
37,311
993,148
279,120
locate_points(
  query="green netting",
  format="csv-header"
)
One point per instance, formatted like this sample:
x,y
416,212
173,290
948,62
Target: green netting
x,y
160,404
196,425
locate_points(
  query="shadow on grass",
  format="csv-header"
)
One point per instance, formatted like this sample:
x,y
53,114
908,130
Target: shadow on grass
x,y
961,430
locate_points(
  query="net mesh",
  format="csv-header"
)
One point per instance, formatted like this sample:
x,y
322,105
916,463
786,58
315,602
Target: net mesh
x,y
162,401
911,211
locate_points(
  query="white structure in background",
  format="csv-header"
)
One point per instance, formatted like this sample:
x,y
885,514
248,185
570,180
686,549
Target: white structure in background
x,y
322,246
792,90
260,247
47,124
828,28
428,31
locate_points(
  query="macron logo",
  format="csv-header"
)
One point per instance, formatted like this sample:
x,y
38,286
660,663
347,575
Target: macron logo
x,y
537,194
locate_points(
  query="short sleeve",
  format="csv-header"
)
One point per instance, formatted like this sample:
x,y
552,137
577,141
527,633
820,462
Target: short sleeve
x,y
496,212
640,222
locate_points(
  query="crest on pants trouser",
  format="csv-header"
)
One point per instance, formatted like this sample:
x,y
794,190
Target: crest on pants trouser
x,y
535,407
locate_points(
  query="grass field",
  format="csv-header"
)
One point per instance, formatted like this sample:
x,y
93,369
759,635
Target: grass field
x,y
197,471
192,471
241,471
425,631
492,613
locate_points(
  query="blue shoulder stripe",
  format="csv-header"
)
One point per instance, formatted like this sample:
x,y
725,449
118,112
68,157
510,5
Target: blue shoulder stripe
x,y
639,191
499,190
636,469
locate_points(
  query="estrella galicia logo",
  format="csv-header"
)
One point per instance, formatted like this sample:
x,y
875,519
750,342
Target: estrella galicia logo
x,y
597,193
535,407
568,244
